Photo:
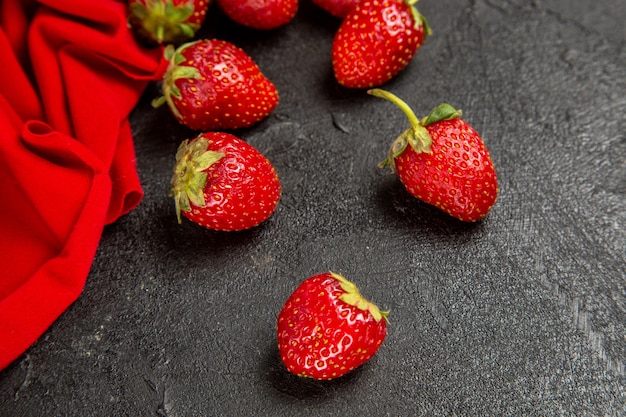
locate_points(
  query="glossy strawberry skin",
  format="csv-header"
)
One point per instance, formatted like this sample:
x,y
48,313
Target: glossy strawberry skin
x,y
323,337
260,14
167,21
337,8
457,176
228,90
376,40
242,188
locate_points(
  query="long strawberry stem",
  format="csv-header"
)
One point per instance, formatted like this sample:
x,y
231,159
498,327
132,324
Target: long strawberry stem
x,y
416,136
377,92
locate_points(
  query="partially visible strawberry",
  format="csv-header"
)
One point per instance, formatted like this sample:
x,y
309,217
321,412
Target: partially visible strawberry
x,y
260,14
223,183
326,328
214,85
166,21
443,161
376,40
337,8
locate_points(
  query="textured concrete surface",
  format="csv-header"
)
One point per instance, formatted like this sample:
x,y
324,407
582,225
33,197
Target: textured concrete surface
x,y
523,313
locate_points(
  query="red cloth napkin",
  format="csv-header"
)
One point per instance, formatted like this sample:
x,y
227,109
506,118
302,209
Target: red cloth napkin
x,y
70,74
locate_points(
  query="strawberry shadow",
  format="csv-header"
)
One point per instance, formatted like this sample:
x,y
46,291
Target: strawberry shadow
x,y
287,385
219,26
337,92
403,211
191,242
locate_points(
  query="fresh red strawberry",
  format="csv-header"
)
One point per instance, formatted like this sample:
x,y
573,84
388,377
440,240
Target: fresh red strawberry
x,y
260,14
214,85
223,183
443,161
377,40
337,8
166,21
326,328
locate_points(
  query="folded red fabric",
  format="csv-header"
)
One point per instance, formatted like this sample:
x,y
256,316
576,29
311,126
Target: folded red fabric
x,y
70,75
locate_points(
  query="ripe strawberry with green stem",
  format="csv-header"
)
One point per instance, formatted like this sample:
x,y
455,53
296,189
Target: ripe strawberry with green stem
x,y
260,14
212,84
223,183
443,161
376,40
326,328
166,21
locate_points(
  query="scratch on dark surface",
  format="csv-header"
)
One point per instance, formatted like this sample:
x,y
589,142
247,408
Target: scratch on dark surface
x,y
508,6
27,377
433,302
582,320
151,384
278,138
339,122
164,408
595,338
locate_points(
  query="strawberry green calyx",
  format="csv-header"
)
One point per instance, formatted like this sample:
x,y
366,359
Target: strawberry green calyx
x,y
419,18
353,297
443,111
417,135
164,21
174,72
189,179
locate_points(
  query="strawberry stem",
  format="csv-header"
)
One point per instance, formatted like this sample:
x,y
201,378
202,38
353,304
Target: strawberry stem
x,y
416,136
377,92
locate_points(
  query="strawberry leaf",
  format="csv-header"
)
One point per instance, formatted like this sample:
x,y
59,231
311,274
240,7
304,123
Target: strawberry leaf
x,y
195,189
442,112
138,10
176,14
399,145
169,52
419,139
418,18
188,29
427,29
175,72
179,72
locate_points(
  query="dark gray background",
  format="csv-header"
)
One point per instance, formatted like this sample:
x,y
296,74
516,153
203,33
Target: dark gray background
x,y
523,313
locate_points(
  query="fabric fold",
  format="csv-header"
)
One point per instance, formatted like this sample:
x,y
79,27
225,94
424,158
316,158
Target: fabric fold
x,y
72,72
